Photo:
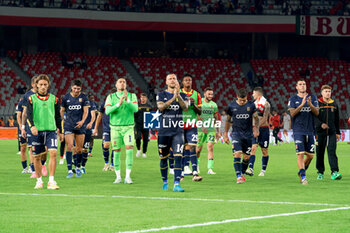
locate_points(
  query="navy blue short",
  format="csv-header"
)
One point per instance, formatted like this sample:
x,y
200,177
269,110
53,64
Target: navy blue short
x,y
44,139
87,139
191,136
176,142
71,130
264,138
106,137
241,144
304,143
29,136
20,138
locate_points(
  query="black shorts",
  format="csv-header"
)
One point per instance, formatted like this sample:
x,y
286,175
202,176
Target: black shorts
x,y
175,142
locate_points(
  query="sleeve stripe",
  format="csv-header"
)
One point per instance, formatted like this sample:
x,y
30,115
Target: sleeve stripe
x,y
108,105
134,102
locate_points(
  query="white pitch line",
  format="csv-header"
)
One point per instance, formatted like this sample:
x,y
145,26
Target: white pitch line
x,y
234,220
173,199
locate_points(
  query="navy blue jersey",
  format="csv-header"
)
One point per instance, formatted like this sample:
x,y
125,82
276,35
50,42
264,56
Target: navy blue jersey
x,y
26,97
242,118
171,118
19,107
303,123
74,107
105,118
92,108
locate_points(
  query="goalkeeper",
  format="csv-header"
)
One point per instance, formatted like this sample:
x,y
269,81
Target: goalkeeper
x,y
121,106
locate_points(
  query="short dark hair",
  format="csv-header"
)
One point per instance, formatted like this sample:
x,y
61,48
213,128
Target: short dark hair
x,y
208,89
76,82
113,90
300,80
258,89
187,75
242,93
143,94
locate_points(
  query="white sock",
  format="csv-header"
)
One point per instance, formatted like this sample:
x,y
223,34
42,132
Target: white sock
x,y
39,179
195,173
138,151
127,173
70,171
117,173
51,179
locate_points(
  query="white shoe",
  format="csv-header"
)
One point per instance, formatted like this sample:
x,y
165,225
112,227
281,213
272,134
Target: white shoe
x,y
171,171
304,182
211,172
26,170
105,168
138,153
128,180
39,185
61,161
262,173
250,172
144,155
52,185
187,170
118,180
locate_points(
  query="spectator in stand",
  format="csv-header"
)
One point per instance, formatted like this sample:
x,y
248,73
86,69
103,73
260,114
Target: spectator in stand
x,y
2,123
77,62
70,62
11,122
276,123
84,63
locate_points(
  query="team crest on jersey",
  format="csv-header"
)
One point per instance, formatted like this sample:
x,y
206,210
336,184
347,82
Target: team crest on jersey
x,y
211,106
115,142
248,109
80,99
332,109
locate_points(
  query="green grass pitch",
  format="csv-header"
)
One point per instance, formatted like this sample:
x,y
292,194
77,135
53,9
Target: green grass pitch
x,y
94,204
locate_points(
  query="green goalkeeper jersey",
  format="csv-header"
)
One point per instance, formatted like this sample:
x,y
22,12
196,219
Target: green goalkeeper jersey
x,y
208,111
122,115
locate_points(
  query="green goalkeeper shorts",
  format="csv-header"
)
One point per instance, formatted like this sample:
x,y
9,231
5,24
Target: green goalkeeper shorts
x,y
122,136
205,138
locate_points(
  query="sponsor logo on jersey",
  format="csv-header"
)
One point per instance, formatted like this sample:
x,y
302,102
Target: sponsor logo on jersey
x,y
248,109
74,107
242,116
174,107
80,99
305,109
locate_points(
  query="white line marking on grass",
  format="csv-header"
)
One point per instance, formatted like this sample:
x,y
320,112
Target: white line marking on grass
x,y
173,199
234,220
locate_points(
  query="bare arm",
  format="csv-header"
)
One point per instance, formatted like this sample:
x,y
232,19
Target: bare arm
x,y
19,119
62,111
24,115
183,104
85,114
98,120
162,106
256,121
314,109
266,114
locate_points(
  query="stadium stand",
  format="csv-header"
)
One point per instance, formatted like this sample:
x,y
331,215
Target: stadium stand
x,y
99,76
267,7
222,74
280,76
9,84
